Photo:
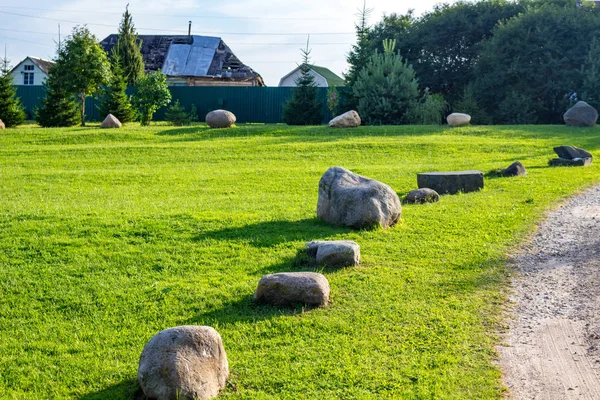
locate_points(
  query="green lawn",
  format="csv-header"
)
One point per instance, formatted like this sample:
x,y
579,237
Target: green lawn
x,y
107,237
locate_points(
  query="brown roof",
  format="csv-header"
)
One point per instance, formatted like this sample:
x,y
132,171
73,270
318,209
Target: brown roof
x,y
44,65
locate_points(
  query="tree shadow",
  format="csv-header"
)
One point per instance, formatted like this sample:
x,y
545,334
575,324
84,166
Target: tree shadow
x,y
270,233
126,390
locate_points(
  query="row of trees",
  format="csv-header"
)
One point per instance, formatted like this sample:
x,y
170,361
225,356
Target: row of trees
x,y
522,61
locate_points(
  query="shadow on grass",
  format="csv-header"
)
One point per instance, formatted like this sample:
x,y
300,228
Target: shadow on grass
x,y
126,390
266,234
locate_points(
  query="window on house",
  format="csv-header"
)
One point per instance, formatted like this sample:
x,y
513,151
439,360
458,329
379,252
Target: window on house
x,y
28,67
28,78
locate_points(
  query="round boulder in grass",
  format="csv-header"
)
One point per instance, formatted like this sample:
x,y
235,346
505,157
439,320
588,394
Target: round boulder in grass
x,y
349,119
514,169
422,196
111,122
334,253
581,114
458,119
220,119
185,362
355,201
288,288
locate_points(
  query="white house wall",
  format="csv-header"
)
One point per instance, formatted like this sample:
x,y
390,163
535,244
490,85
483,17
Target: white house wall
x,y
39,76
291,80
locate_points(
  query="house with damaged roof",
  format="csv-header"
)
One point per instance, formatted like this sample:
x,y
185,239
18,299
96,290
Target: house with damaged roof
x,y
192,60
31,71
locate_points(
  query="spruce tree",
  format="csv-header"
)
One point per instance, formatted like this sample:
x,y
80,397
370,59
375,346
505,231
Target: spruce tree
x,y
11,109
468,104
115,101
357,58
304,107
386,88
58,107
129,50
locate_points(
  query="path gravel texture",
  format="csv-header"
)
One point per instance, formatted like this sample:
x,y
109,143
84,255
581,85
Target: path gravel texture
x,y
552,349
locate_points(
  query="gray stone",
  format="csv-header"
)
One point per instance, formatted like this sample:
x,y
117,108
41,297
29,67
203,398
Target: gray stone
x,y
571,152
349,119
581,114
515,169
2,126
421,196
577,162
185,362
334,253
220,119
348,199
458,119
451,182
288,288
111,122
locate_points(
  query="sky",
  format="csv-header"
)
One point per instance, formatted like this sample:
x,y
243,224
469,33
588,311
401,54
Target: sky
x,y
266,35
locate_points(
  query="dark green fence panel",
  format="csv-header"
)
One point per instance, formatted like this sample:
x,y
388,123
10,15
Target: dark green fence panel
x,y
249,104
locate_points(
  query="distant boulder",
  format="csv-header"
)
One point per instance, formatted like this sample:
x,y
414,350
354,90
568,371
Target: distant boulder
x,y
421,196
185,362
111,122
515,169
458,119
220,119
581,114
288,288
350,119
348,199
2,126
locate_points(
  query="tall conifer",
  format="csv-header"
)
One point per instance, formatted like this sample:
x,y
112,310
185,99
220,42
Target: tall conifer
x,y
11,109
129,50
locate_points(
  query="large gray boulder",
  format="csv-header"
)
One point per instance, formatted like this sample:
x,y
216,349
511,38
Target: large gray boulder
x,y
349,119
571,152
422,196
458,119
581,114
451,182
348,199
220,119
514,169
185,362
288,288
334,253
111,122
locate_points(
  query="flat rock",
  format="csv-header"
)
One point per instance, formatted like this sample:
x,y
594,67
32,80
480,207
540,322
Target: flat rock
x,y
458,119
581,114
2,126
185,362
288,288
422,196
348,199
451,182
577,162
220,119
349,119
571,152
334,253
514,169
111,122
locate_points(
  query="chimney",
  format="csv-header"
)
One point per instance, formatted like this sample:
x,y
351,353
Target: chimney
x,y
190,29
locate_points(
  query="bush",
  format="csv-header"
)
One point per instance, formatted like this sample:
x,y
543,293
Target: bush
x,y
152,93
517,109
178,116
468,104
430,110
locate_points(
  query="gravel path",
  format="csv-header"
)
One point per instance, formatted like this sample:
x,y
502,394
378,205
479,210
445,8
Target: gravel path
x,y
552,350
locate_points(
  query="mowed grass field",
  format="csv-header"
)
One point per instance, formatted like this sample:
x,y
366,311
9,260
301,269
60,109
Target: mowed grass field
x,y
108,237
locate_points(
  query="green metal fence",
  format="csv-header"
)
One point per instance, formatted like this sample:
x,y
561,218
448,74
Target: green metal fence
x,y
249,104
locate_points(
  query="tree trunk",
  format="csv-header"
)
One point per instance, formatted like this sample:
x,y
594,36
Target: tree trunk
x,y
82,108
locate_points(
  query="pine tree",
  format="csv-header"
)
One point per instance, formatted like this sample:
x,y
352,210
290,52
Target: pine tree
x,y
129,50
591,75
58,107
386,88
11,109
468,104
115,101
304,108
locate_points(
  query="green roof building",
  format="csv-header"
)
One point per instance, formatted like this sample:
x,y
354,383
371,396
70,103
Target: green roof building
x,y
323,77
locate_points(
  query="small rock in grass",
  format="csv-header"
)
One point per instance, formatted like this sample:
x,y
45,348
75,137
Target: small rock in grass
x,y
515,169
185,362
349,119
111,122
288,288
355,201
581,114
334,253
458,119
220,119
421,196
571,152
577,162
